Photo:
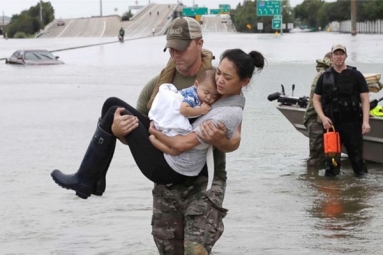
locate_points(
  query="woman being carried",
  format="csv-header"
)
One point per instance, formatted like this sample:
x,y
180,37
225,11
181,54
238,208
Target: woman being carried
x,y
233,73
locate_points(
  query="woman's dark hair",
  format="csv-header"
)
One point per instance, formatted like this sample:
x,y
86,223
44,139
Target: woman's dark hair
x,y
244,63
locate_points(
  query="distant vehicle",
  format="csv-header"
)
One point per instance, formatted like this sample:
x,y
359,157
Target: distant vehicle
x,y
33,57
225,18
60,22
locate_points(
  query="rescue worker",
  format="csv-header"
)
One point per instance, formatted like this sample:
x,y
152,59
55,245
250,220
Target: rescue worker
x,y
341,99
311,120
121,34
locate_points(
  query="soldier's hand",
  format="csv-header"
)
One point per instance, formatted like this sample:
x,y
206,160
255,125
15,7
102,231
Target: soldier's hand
x,y
123,124
327,123
365,128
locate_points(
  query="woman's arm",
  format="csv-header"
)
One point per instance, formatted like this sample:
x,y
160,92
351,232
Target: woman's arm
x,y
177,144
162,147
216,136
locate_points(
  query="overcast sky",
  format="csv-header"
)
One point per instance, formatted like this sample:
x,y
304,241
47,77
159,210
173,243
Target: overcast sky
x,y
86,8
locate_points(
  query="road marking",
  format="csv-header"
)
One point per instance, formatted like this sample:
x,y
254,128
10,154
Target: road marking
x,y
103,31
66,27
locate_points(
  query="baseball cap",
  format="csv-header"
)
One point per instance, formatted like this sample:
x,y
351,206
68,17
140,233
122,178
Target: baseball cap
x,y
181,32
338,47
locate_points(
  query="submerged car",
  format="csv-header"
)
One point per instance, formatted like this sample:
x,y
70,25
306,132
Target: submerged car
x,y
33,57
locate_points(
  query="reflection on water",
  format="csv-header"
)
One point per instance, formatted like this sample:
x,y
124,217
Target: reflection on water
x,y
276,204
343,210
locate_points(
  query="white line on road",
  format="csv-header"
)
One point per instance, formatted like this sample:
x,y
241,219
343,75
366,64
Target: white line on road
x,y
103,31
66,27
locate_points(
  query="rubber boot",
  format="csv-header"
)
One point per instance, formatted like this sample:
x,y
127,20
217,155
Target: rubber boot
x,y
93,166
100,185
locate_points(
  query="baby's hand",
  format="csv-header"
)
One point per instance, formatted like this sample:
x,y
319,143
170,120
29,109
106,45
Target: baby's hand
x,y
205,108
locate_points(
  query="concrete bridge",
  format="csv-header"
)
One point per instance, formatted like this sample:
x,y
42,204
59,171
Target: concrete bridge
x,y
157,16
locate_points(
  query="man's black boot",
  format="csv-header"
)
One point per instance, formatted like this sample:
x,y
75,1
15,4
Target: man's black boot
x,y
93,166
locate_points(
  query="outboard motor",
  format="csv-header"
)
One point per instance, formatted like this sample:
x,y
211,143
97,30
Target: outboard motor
x,y
374,103
288,100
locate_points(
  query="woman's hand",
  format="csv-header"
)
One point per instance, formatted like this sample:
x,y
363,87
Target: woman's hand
x,y
123,124
216,136
212,134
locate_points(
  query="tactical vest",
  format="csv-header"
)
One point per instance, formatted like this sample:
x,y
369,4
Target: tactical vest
x,y
342,98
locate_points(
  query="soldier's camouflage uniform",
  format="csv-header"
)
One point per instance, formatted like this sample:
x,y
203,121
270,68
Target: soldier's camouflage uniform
x,y
200,211
313,123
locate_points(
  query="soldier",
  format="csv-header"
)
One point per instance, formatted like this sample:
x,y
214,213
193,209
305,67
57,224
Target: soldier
x,y
311,120
187,219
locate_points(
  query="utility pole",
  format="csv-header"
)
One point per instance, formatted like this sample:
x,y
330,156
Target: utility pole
x,y
41,11
353,17
101,8
282,18
3,29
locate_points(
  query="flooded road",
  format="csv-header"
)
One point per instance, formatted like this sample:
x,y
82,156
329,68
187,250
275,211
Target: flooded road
x,y
277,205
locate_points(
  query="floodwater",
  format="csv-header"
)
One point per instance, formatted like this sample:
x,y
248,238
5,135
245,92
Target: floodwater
x,y
277,205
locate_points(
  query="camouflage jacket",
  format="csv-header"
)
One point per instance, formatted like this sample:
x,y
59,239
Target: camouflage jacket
x,y
322,65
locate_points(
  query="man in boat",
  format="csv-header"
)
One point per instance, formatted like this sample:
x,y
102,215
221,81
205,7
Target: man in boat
x,y
341,100
311,120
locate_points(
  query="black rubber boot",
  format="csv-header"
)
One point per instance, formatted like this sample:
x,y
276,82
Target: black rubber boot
x,y
100,185
93,166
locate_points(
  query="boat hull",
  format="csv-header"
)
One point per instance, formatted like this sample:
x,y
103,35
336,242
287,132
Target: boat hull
x,y
372,142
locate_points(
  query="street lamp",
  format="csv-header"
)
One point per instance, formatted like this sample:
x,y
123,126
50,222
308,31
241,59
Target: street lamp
x,y
41,11
101,8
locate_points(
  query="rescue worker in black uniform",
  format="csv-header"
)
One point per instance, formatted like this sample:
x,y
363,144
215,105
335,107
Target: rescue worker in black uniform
x,y
341,99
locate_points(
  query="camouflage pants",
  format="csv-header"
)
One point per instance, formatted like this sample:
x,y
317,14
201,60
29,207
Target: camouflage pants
x,y
187,219
315,130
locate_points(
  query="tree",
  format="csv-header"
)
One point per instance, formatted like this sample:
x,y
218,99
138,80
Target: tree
x,y
127,15
29,22
370,10
307,13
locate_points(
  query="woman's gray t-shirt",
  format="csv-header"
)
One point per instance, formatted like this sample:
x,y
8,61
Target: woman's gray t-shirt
x,y
191,162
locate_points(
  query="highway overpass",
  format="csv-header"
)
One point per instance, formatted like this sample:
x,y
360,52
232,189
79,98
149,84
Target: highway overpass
x,y
157,16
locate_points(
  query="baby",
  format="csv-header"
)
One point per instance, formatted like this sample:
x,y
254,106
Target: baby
x,y
171,109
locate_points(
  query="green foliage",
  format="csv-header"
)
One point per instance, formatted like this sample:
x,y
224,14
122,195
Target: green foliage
x,y
320,13
370,10
28,22
126,16
20,35
310,13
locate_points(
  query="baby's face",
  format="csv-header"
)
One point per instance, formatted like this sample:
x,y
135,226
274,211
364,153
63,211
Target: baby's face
x,y
207,92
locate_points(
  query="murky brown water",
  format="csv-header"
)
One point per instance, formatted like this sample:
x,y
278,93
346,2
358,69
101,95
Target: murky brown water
x,y
277,205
